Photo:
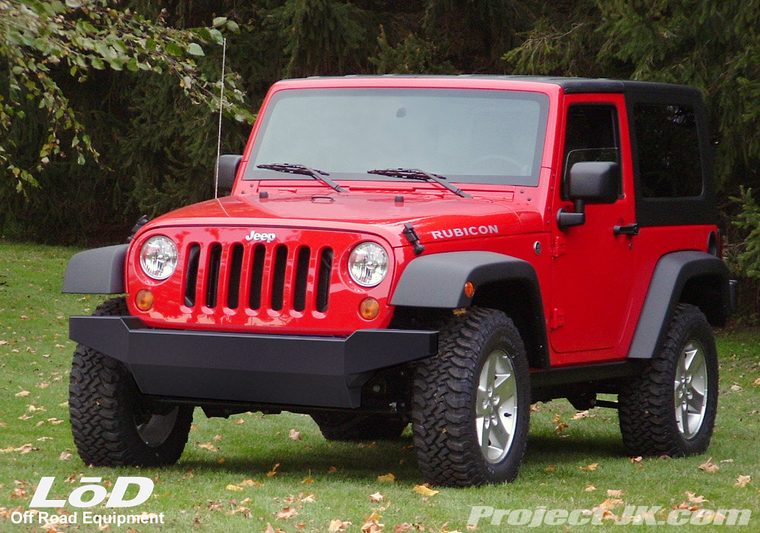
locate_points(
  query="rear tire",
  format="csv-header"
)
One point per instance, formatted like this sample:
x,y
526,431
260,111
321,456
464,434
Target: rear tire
x,y
471,403
670,409
112,423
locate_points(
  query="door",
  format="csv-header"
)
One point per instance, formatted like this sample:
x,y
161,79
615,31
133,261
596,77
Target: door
x,y
592,263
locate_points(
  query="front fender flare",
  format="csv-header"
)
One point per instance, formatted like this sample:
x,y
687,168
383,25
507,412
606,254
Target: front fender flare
x,y
438,280
97,271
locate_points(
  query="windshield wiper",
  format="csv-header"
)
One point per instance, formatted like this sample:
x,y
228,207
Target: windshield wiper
x,y
416,174
304,171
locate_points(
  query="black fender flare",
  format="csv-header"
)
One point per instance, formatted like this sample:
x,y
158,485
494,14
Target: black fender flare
x,y
438,281
97,271
671,276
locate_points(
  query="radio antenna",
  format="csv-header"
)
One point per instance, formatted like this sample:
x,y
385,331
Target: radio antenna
x,y
221,111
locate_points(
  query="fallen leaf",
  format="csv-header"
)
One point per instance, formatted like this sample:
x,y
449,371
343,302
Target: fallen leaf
x,y
591,467
308,481
207,446
22,394
742,481
615,493
589,488
65,456
533,409
240,421
338,525
285,513
270,529
556,419
189,474
332,470
693,498
581,414
273,472
425,490
561,427
685,507
636,459
217,438
372,524
736,387
251,483
406,526
550,468
610,503
727,461
756,383
233,487
294,435
376,497
310,498
387,478
709,466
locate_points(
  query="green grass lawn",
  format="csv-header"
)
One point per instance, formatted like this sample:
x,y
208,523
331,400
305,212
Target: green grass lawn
x,y
221,483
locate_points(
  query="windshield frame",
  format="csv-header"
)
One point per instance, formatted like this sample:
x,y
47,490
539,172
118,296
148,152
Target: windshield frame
x,y
252,173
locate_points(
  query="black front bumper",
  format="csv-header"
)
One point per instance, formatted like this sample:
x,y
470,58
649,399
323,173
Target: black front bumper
x,y
282,370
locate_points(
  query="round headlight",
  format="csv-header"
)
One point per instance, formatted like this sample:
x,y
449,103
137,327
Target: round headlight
x,y
368,264
158,257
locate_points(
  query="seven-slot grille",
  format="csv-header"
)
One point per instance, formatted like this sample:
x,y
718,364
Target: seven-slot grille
x,y
259,277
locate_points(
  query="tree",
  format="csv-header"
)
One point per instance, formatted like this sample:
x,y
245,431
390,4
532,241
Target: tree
x,y
42,42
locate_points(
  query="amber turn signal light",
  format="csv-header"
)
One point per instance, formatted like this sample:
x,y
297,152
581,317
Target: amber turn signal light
x,y
144,300
469,289
369,309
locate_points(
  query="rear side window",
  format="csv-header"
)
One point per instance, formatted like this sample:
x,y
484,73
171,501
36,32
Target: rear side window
x,y
668,149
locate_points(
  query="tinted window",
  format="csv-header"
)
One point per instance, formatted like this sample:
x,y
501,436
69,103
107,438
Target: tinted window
x,y
669,162
591,135
471,136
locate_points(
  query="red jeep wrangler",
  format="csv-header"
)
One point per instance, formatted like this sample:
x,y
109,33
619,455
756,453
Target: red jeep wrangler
x,y
435,250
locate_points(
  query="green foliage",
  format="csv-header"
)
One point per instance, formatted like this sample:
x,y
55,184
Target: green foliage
x,y
40,40
748,220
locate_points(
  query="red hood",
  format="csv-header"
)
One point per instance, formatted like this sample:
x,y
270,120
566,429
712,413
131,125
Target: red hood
x,y
434,216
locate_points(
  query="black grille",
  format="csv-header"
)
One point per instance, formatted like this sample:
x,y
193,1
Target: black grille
x,y
280,278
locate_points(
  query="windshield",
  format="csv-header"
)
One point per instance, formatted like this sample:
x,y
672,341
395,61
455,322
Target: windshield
x,y
469,136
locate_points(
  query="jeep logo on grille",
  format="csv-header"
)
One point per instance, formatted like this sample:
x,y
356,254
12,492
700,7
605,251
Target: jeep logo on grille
x,y
255,236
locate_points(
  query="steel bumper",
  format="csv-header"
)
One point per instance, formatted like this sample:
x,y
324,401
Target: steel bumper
x,y
251,368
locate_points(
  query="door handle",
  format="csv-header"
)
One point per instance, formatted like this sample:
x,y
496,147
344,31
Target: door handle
x,y
630,230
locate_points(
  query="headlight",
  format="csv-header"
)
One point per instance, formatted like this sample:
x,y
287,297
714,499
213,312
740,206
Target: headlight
x,y
368,264
158,257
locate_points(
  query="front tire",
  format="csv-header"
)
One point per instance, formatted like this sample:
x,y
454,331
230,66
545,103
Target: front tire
x,y
670,409
471,403
112,423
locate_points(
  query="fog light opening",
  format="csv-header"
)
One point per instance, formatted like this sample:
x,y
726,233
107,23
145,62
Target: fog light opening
x,y
369,309
144,300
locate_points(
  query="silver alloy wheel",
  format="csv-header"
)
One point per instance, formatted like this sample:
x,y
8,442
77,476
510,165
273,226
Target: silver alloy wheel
x,y
496,407
157,428
690,389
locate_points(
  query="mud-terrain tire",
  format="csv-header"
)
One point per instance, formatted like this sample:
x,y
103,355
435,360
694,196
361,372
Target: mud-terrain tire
x,y
112,423
353,427
670,409
471,402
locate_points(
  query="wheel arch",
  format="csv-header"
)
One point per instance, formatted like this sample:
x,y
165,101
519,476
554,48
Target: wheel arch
x,y
97,271
691,277
501,282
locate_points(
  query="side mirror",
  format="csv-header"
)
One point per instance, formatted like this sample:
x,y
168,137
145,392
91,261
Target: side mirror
x,y
226,168
593,182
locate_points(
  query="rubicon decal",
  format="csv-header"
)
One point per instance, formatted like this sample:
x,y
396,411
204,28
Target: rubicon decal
x,y
255,236
469,231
